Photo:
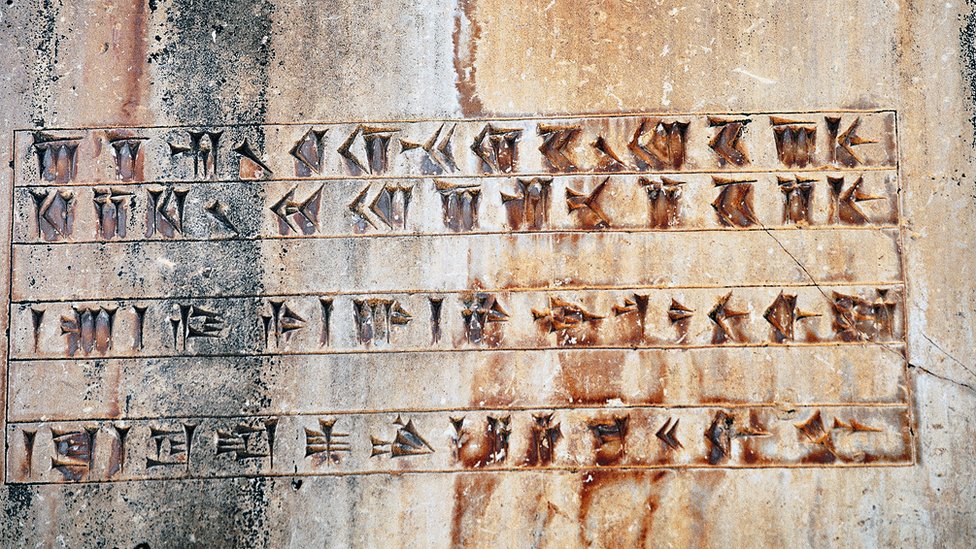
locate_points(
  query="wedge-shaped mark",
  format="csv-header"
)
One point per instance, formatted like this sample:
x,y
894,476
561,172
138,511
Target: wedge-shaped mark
x,y
170,445
842,143
436,305
367,149
543,437
459,205
556,148
607,159
855,426
139,327
636,307
844,201
727,141
724,319
55,213
74,451
562,315
611,439
587,206
57,157
783,314
680,317
796,141
325,333
860,319
247,441
126,151
480,310
219,211
375,319
301,217
326,444
309,153
664,202
112,207
37,319
668,434
438,154
797,199
203,148
497,432
280,323
490,450
635,304
528,206
723,430
497,148
89,329
30,437
251,166
678,312
118,453
734,202
812,431
192,322
406,442
389,205
659,144
165,211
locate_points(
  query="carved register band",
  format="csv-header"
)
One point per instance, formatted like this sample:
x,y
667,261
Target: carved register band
x,y
600,292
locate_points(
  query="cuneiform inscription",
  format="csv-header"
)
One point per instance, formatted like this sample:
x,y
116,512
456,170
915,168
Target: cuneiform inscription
x,y
598,144
54,213
113,207
456,441
215,211
463,320
88,330
381,184
57,157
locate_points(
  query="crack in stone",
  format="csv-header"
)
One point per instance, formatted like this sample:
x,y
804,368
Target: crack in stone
x,y
946,353
883,346
816,284
942,377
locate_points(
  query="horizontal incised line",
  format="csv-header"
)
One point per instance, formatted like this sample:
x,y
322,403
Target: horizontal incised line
x,y
547,116
513,290
416,350
488,471
500,409
758,228
518,175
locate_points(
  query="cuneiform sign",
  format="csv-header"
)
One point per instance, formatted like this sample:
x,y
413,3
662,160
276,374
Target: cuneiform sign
x,y
619,269
323,324
432,206
459,440
597,144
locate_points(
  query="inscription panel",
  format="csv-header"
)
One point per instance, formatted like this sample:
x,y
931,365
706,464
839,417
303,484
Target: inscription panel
x,y
627,291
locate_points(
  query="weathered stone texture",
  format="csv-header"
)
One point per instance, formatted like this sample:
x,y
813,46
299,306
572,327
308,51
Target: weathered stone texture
x,y
810,414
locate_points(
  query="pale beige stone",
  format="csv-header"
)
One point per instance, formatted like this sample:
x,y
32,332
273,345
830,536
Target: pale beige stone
x,y
809,442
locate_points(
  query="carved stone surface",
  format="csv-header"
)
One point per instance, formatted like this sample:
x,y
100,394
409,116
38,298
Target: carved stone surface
x,y
554,274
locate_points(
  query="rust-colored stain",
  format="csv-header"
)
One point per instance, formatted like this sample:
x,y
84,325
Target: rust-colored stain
x,y
611,438
591,378
494,381
539,56
472,493
467,33
132,44
620,486
482,446
115,390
